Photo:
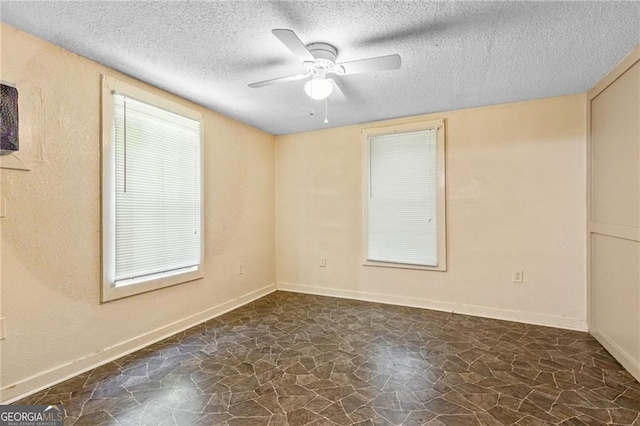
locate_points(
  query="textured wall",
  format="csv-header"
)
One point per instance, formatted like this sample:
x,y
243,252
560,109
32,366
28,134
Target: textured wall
x,y
516,199
51,237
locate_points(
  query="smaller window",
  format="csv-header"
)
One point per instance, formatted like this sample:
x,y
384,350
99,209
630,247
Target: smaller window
x,y
404,200
152,192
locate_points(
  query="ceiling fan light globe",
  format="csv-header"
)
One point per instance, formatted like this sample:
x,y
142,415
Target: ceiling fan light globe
x,y
318,88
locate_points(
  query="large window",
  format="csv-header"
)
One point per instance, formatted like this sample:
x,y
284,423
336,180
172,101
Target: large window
x,y
405,196
152,192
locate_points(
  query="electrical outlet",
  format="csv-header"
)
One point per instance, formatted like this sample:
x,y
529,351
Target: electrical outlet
x,y
323,262
3,328
240,268
518,276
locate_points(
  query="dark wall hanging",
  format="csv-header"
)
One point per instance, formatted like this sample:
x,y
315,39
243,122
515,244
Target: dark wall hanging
x,y
8,119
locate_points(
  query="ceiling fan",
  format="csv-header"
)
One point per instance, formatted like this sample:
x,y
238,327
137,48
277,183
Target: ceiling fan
x,y
319,60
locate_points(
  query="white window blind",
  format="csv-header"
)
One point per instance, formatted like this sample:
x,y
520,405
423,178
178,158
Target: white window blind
x,y
157,192
402,210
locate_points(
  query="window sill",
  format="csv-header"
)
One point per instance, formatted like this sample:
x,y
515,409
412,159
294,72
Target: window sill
x,y
111,291
439,268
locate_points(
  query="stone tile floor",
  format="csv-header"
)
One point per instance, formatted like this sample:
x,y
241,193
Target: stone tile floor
x,y
299,359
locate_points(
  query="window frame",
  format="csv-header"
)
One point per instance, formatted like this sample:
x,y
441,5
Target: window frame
x,y
109,291
441,208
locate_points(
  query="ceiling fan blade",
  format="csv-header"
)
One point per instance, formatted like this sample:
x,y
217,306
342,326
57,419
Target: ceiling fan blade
x,y
337,93
380,63
278,80
293,43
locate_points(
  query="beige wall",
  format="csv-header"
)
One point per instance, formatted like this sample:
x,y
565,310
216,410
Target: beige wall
x,y
51,235
614,216
516,200
516,197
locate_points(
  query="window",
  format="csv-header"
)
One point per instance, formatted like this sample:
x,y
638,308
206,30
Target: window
x,y
404,200
152,192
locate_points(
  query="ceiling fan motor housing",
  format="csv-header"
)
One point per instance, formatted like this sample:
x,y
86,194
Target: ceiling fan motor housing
x,y
324,53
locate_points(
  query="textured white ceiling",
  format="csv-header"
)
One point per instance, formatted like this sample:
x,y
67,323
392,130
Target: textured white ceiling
x,y
455,54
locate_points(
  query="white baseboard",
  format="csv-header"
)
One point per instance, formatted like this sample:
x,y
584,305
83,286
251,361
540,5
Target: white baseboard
x,y
45,379
458,308
631,365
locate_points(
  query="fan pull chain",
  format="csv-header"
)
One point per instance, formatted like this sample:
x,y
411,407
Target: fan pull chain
x,y
326,102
